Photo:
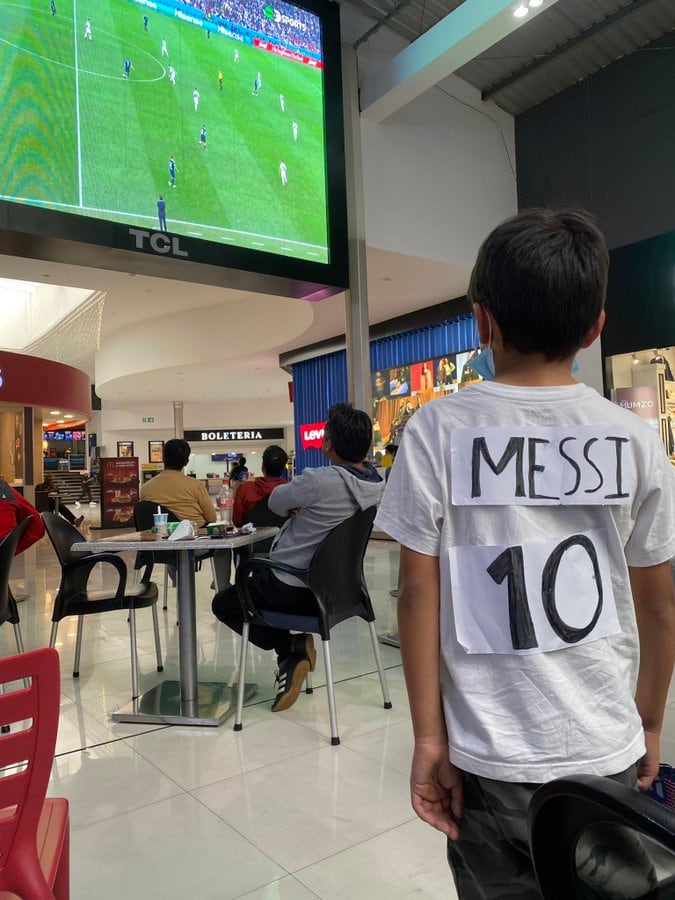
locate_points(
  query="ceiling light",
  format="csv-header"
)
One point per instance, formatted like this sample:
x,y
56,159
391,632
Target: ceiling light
x,y
520,11
536,3
68,416
60,421
636,361
54,412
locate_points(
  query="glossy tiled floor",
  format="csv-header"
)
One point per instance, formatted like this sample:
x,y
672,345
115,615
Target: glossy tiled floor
x,y
271,812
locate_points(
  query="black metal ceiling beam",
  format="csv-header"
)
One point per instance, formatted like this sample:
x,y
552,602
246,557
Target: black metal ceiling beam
x,y
383,21
564,48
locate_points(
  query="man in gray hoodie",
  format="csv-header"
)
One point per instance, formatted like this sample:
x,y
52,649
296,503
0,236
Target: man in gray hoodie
x,y
317,501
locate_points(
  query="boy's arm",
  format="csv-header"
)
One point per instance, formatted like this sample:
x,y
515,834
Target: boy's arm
x,y
654,601
299,492
435,784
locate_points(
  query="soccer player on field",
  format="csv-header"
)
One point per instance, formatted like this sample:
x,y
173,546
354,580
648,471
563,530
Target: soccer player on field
x,y
195,98
202,137
283,172
87,30
259,77
172,75
172,172
52,6
165,51
220,79
145,22
255,87
282,102
236,56
295,130
127,67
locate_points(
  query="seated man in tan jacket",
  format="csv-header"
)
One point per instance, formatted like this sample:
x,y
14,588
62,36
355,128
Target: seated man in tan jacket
x,y
187,498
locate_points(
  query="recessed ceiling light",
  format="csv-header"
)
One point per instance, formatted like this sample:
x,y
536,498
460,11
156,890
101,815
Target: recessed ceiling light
x,y
67,416
60,421
520,11
535,3
54,412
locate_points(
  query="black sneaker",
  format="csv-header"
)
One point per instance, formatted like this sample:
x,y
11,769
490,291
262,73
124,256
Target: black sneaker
x,y
78,521
303,645
290,678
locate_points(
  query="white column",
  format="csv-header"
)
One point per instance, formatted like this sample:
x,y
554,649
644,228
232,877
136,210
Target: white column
x,y
178,418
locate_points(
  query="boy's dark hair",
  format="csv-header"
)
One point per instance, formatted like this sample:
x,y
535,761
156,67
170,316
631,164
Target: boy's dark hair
x,y
350,431
176,453
542,274
274,461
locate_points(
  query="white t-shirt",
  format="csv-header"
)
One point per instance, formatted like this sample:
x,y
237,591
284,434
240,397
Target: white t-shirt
x,y
562,702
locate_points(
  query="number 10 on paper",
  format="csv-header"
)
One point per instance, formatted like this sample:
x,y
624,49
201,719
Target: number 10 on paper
x,y
535,597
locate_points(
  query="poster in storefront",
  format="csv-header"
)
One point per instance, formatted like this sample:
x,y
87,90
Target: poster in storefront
x,y
125,449
643,401
399,381
119,491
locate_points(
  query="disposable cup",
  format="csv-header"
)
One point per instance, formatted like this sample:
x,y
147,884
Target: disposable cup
x,y
161,521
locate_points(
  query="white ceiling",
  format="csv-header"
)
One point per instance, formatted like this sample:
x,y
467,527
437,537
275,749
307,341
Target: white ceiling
x,y
137,305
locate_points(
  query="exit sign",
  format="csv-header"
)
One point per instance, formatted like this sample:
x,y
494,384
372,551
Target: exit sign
x,y
148,419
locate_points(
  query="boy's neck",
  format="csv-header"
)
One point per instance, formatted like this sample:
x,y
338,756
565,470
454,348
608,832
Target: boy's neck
x,y
532,370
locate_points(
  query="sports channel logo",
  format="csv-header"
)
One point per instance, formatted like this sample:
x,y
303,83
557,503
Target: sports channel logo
x,y
274,15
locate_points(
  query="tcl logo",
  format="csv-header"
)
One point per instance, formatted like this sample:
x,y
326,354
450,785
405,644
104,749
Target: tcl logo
x,y
312,435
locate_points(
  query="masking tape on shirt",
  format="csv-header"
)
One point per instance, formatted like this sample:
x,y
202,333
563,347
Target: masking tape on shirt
x,y
535,597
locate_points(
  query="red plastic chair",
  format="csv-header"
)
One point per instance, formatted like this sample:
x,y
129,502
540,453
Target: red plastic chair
x,y
34,831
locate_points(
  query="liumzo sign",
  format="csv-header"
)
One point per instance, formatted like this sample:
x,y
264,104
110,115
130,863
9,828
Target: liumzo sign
x,y
235,434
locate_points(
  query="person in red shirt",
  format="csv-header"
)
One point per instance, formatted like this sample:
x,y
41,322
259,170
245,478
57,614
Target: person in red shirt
x,y
14,509
251,492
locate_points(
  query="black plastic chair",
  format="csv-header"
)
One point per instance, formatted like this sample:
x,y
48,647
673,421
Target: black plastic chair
x,y
74,598
335,577
144,511
260,515
562,810
8,609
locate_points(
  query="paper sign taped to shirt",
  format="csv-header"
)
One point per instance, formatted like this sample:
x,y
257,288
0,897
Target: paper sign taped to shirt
x,y
532,466
535,597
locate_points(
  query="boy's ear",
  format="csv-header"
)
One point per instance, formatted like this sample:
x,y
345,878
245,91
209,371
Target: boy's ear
x,y
595,332
482,322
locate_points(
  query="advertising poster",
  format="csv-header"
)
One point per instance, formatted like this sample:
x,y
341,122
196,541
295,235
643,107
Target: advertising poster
x,y
380,383
399,381
155,451
119,491
422,377
643,401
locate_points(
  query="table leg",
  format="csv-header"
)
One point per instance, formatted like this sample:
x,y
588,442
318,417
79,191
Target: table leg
x,y
187,631
187,701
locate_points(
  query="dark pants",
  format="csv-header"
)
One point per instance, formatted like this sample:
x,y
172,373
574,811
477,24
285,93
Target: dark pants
x,y
85,494
491,860
62,511
271,594
162,223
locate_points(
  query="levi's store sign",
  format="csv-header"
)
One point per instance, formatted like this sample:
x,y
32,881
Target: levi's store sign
x,y
312,435
235,434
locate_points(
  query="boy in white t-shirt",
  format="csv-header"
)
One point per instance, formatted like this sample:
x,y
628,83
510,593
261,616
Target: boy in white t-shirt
x,y
536,528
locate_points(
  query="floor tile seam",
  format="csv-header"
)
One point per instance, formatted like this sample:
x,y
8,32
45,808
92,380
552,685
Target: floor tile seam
x,y
275,762
127,812
377,761
243,837
115,740
297,872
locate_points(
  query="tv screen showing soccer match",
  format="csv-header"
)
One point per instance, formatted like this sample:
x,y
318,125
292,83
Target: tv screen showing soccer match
x,y
202,118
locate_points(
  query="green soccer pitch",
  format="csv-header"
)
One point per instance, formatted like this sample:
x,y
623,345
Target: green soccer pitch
x,y
81,138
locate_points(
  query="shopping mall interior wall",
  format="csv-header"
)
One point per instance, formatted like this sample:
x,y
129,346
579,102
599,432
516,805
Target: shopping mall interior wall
x,y
438,174
608,144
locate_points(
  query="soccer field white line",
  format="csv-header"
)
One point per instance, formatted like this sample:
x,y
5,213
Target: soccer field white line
x,y
77,108
64,65
131,216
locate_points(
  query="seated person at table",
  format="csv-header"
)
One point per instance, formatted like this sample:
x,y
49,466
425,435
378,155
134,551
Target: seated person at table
x,y
187,498
14,509
318,500
52,489
250,493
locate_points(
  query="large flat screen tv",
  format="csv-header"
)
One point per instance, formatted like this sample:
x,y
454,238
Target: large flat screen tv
x,y
207,131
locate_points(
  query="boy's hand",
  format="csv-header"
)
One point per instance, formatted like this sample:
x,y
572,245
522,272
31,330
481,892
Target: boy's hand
x,y
436,788
648,767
